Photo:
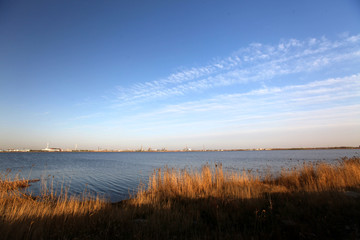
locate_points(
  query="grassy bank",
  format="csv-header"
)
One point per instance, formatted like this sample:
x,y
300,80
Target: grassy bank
x,y
315,201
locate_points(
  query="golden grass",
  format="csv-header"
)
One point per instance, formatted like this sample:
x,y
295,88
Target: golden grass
x,y
308,202
322,177
7,183
209,182
24,216
215,183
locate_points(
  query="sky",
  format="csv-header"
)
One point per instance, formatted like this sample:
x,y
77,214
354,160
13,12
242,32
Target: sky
x,y
170,74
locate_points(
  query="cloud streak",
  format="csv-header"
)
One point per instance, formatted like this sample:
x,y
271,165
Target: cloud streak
x,y
256,63
318,103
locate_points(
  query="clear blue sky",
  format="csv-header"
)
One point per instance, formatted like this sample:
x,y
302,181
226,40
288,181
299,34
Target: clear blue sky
x,y
213,74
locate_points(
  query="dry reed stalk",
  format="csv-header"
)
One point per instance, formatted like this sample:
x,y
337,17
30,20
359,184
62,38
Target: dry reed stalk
x,y
214,182
321,177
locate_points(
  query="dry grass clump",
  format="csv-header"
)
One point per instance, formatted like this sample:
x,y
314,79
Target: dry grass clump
x,y
314,201
215,183
23,216
311,202
8,183
209,182
320,177
14,185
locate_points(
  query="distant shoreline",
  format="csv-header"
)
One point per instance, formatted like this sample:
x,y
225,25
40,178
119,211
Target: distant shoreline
x,y
185,150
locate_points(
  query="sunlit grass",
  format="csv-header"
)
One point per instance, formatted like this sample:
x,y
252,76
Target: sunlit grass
x,y
311,201
214,182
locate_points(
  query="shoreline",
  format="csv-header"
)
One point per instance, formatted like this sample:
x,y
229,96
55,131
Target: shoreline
x,y
173,151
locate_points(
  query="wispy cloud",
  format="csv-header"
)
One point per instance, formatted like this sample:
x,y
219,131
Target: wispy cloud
x,y
255,63
320,102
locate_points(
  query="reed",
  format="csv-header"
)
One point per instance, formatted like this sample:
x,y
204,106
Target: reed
x,y
312,201
209,182
24,216
320,177
7,182
215,183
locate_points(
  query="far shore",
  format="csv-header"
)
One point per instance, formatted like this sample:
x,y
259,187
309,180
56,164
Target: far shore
x,y
56,150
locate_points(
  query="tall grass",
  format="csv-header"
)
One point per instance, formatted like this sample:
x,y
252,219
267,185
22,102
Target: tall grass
x,y
322,177
208,182
24,216
214,182
308,202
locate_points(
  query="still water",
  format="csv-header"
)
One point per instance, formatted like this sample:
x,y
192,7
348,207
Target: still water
x,y
116,175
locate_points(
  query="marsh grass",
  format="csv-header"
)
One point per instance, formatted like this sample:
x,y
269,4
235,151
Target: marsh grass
x,y
310,202
213,182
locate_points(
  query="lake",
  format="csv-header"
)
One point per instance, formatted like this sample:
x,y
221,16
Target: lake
x,y
115,175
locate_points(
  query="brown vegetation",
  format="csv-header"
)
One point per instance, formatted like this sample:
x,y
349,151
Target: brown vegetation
x,y
316,201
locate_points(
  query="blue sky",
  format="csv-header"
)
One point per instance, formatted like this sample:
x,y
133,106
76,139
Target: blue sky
x,y
213,74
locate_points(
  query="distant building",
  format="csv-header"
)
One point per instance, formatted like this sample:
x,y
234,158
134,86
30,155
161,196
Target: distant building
x,y
187,149
47,149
